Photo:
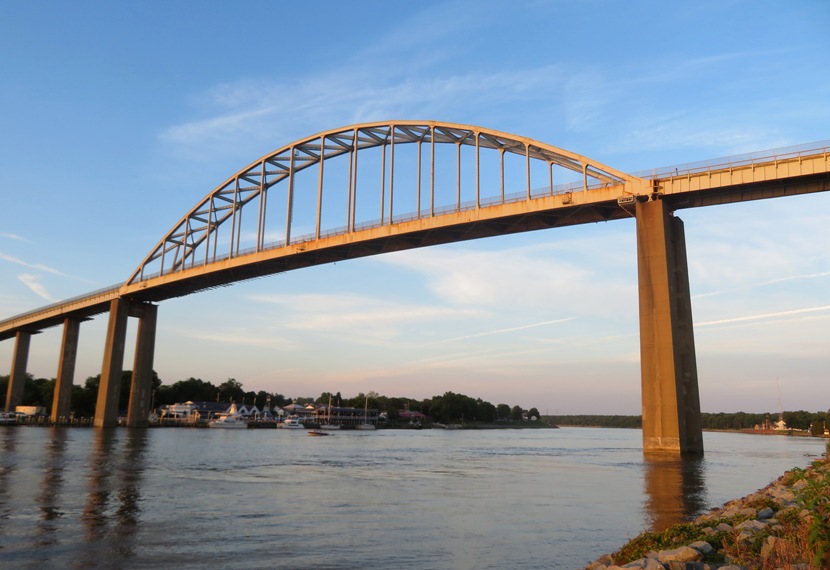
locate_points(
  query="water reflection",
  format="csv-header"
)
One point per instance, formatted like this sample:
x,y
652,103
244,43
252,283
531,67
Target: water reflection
x,y
675,489
113,502
50,488
8,448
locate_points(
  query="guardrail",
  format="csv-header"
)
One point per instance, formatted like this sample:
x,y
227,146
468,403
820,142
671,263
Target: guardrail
x,y
739,160
64,303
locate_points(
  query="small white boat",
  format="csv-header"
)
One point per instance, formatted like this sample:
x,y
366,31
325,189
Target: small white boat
x,y
8,419
292,422
230,420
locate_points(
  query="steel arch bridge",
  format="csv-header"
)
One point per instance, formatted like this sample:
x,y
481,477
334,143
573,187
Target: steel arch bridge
x,y
379,187
372,188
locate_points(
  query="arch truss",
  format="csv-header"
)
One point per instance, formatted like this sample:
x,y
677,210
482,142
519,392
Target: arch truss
x,y
364,176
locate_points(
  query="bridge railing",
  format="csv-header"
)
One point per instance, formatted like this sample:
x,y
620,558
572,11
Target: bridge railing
x,y
484,202
64,304
739,160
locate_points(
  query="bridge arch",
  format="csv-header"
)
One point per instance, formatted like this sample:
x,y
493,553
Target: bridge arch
x,y
324,185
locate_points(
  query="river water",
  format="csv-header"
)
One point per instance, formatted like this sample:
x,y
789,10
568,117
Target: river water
x,y
454,499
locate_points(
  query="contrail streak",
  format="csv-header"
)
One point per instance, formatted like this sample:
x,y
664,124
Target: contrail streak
x,y
763,284
503,331
765,316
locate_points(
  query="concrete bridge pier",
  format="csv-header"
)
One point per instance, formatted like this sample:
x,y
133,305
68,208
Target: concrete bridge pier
x,y
62,399
109,390
17,378
142,381
671,402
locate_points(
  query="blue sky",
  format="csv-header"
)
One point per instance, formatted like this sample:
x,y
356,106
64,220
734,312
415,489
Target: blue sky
x,y
118,117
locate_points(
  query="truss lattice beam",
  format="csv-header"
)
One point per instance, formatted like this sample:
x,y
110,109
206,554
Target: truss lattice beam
x,y
267,192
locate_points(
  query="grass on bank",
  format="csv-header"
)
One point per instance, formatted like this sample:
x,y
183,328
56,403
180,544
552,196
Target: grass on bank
x,y
802,535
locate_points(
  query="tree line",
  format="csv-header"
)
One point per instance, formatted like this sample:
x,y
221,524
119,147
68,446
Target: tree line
x,y
447,408
795,420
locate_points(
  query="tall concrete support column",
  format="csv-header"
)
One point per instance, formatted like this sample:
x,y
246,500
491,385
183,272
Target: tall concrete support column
x,y
142,381
109,389
62,399
671,403
17,378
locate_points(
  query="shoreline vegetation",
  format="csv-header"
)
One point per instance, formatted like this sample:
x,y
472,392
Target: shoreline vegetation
x,y
448,408
785,525
795,421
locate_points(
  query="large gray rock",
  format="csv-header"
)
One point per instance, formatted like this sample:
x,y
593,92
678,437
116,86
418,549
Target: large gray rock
x,y
723,527
766,513
682,554
752,526
703,547
653,564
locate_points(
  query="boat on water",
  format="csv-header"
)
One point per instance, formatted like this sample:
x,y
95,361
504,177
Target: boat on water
x,y
230,420
328,426
317,432
366,425
8,419
292,422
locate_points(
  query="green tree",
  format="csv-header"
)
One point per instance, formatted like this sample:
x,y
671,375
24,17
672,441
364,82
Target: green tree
x,y
503,411
192,389
37,392
516,413
231,391
452,407
533,413
486,412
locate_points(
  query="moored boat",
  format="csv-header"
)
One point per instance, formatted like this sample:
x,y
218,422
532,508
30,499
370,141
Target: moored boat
x,y
231,420
328,426
366,425
292,422
8,419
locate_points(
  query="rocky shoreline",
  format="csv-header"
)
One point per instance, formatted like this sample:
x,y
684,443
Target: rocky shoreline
x,y
785,525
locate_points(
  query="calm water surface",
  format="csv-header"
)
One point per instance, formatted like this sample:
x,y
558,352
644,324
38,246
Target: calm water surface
x,y
192,498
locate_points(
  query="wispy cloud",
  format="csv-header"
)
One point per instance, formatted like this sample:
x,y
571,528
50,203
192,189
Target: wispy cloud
x,y
361,316
764,317
535,279
506,330
38,266
13,236
239,338
33,283
769,282
254,114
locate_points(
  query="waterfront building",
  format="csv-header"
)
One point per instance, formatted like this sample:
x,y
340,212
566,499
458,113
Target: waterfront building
x,y
345,416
